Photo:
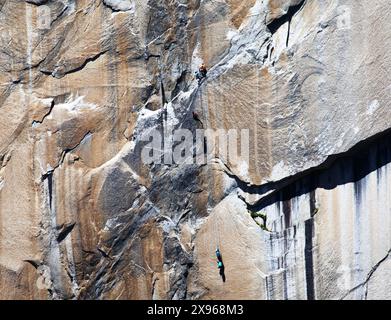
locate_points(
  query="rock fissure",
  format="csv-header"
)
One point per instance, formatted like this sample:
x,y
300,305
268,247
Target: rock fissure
x,y
40,121
60,74
368,277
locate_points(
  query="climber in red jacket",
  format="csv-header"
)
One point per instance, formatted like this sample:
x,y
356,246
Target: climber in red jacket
x,y
201,73
202,69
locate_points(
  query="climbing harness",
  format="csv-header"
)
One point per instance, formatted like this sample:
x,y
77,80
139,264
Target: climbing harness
x,y
200,77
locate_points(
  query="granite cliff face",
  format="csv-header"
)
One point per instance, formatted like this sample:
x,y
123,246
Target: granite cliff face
x,y
82,216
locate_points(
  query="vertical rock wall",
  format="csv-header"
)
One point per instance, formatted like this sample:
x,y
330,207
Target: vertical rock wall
x,y
83,217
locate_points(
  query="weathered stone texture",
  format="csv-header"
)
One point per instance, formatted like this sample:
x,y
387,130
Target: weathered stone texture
x,y
83,217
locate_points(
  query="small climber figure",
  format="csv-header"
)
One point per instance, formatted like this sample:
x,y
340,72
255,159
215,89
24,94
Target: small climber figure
x,y
196,117
201,73
146,53
220,264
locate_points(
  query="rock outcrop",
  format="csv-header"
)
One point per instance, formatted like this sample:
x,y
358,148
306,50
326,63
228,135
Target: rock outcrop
x,y
306,214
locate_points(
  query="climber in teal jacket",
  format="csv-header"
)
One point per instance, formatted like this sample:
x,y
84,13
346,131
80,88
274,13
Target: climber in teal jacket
x,y
220,264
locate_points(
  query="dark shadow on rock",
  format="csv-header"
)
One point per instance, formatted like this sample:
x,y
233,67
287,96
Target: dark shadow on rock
x,y
277,23
350,167
64,230
222,273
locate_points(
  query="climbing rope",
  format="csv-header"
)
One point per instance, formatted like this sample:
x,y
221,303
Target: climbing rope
x,y
217,230
205,114
205,117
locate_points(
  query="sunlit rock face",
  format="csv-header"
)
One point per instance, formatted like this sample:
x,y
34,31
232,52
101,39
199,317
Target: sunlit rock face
x,y
305,216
